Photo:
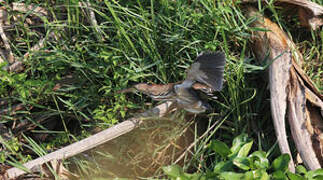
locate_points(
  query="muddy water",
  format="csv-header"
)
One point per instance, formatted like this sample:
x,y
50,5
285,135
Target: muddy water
x,y
142,152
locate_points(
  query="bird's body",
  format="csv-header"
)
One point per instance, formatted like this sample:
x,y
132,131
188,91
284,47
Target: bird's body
x,y
205,75
157,92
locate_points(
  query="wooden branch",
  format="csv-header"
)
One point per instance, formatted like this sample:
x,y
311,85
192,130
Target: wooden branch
x,y
297,118
309,12
278,74
316,9
92,141
291,91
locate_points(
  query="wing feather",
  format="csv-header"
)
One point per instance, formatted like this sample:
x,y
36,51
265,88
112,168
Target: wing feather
x,y
208,69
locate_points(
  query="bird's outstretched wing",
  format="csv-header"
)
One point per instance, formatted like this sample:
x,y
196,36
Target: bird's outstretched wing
x,y
208,69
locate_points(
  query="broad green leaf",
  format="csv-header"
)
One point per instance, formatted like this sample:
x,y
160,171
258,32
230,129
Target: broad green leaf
x,y
242,163
223,166
281,163
231,176
173,171
220,147
264,176
259,159
244,151
279,175
259,174
301,169
293,176
195,176
238,142
316,174
248,175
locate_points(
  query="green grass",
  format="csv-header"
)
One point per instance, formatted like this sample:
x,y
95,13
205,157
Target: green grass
x,y
138,41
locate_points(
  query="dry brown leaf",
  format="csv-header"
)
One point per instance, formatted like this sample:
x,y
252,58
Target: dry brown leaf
x,y
22,7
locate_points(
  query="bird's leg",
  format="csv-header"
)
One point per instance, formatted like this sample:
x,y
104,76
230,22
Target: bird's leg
x,y
172,107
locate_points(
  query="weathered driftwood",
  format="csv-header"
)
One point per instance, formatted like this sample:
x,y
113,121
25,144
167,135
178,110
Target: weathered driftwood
x,y
278,75
92,141
316,9
289,87
297,120
309,12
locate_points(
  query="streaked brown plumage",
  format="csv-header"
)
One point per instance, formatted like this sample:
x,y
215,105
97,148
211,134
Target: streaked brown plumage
x,y
205,75
161,92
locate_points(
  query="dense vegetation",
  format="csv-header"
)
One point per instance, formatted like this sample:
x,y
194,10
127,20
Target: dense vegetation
x,y
142,41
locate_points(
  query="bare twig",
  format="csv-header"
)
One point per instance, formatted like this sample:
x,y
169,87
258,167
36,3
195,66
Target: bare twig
x,y
40,44
92,19
18,65
5,40
92,141
2,56
8,52
12,109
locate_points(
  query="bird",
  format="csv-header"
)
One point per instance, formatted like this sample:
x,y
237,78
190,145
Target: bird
x,y
204,75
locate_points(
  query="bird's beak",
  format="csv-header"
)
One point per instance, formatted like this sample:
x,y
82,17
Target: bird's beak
x,y
128,90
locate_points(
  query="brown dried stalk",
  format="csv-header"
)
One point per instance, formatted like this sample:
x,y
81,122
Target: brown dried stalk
x,y
5,40
92,19
12,109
